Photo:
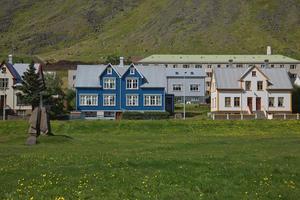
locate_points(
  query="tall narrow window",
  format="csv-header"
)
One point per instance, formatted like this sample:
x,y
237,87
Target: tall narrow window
x,y
227,102
236,101
253,73
3,83
280,101
271,101
248,85
132,70
259,85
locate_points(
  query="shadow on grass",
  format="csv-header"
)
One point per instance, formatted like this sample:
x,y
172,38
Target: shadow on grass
x,y
64,136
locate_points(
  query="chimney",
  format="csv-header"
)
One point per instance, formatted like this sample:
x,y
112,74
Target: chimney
x,y
10,59
121,61
269,50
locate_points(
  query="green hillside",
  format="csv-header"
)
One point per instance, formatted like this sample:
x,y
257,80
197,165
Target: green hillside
x,y
88,29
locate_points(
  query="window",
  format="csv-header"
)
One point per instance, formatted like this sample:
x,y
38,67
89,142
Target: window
x,y
208,83
239,65
280,101
109,70
198,66
271,101
109,100
3,83
281,66
186,66
109,83
88,100
132,100
292,66
272,66
208,66
253,73
248,85
219,66
174,66
227,102
195,88
259,85
263,66
177,87
152,100
132,70
20,100
177,73
192,73
132,83
293,75
74,77
236,101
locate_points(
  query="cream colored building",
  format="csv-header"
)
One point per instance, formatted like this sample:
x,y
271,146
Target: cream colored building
x,y
251,90
10,79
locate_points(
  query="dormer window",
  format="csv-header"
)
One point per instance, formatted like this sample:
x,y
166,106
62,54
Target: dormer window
x,y
109,70
177,73
132,70
253,73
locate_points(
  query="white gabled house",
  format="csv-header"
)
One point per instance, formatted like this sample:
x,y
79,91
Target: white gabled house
x,y
251,90
10,95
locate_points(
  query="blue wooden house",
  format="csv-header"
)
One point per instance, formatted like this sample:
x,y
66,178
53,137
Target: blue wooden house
x,y
107,91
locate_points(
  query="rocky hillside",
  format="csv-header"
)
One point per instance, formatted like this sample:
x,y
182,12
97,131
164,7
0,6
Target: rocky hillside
x,y
89,29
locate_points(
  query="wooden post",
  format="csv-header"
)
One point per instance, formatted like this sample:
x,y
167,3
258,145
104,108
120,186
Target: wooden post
x,y
242,116
284,116
227,116
297,116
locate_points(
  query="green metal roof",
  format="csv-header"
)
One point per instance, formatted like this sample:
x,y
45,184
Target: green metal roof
x,y
160,59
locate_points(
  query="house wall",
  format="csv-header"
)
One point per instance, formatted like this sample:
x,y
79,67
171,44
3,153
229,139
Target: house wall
x,y
121,92
253,93
71,79
186,86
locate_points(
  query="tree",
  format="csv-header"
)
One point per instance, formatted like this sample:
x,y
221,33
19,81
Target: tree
x,y
53,96
296,99
32,86
71,99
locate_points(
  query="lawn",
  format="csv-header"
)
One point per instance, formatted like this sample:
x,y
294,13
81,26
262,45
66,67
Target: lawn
x,y
195,159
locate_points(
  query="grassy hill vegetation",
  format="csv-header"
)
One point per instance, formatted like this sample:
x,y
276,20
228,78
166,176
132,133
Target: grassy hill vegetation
x,y
88,30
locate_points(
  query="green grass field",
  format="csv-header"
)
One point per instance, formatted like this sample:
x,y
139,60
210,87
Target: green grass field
x,y
195,159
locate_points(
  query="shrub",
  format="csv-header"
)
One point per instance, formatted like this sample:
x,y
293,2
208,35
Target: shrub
x,y
145,115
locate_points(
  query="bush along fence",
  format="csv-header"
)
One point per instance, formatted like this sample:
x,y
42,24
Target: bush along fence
x,y
254,116
145,115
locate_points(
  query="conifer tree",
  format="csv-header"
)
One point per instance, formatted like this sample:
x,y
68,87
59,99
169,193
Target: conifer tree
x,y
32,86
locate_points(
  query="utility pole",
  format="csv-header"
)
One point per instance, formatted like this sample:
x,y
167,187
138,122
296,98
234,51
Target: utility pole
x,y
184,87
5,84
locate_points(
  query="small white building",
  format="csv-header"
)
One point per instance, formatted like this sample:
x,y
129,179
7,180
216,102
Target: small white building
x,y
251,90
10,95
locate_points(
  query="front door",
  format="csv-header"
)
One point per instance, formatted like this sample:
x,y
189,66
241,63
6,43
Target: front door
x,y
249,103
258,103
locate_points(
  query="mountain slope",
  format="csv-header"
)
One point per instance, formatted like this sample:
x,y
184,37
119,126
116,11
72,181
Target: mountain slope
x,y
87,30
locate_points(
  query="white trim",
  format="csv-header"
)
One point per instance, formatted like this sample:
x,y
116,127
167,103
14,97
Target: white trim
x,y
161,100
88,95
137,100
132,78
104,100
111,78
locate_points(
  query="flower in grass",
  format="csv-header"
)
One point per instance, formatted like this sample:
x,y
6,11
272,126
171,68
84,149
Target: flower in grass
x,y
60,198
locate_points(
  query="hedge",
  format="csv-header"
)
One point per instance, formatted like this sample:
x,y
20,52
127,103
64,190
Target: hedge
x,y
145,115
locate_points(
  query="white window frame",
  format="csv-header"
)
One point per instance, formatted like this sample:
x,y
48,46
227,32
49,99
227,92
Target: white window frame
x,y
4,82
132,84
105,85
193,85
109,95
225,102
157,99
130,101
271,103
132,70
84,98
280,106
178,86
109,70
